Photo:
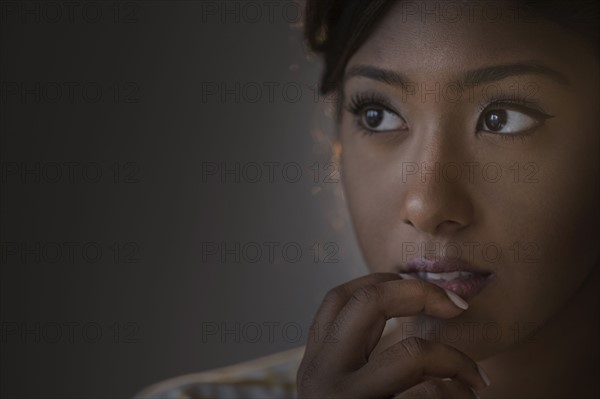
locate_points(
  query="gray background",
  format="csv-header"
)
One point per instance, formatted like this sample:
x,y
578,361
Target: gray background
x,y
107,125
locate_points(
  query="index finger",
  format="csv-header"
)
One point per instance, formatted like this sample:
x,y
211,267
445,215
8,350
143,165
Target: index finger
x,y
333,302
359,324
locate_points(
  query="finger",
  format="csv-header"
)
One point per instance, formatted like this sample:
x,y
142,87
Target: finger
x,y
331,305
442,389
406,363
359,324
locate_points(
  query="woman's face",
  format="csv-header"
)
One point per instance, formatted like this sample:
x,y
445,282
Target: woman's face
x,y
476,138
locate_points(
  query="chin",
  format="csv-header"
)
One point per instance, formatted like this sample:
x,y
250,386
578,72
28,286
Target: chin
x,y
479,338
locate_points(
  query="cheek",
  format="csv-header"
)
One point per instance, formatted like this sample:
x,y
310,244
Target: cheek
x,y
563,201
373,196
547,224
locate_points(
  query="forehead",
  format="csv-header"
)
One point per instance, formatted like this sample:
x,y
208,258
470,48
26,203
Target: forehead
x,y
425,38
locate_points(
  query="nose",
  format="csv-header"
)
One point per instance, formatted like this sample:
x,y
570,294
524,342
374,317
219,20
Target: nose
x,y
437,201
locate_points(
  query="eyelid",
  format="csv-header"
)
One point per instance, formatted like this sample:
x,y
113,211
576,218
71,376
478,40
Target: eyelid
x,y
360,100
528,107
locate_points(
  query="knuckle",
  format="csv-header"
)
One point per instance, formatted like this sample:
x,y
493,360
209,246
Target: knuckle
x,y
394,352
331,332
318,329
366,294
414,347
336,295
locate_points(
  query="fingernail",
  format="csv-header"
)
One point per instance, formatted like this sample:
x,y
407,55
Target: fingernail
x,y
475,394
458,301
484,376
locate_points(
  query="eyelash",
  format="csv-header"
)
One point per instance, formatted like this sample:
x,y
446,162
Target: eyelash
x,y
528,107
359,101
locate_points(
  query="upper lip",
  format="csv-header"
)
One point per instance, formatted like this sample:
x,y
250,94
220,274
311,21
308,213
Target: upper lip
x,y
442,265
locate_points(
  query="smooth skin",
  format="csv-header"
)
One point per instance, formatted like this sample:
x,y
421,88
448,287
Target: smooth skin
x,y
534,327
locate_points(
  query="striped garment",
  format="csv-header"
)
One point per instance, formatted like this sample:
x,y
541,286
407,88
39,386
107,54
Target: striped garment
x,y
267,377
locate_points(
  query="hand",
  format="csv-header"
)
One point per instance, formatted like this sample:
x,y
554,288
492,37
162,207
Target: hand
x,y
340,364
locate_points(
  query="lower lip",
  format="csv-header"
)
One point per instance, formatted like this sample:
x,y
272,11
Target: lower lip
x,y
465,288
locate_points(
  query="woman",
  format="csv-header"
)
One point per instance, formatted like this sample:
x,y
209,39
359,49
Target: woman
x,y
469,135
469,140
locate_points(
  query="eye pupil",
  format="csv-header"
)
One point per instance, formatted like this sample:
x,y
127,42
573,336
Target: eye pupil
x,y
373,117
495,120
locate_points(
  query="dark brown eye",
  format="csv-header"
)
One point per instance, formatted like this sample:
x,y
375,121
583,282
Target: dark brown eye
x,y
506,121
373,117
495,120
381,120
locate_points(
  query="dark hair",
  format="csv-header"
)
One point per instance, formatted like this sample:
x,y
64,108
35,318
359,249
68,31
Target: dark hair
x,y
335,29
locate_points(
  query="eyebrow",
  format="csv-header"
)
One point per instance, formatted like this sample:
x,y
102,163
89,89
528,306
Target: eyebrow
x,y
476,76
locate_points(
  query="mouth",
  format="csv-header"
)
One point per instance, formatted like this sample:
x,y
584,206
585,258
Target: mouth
x,y
454,275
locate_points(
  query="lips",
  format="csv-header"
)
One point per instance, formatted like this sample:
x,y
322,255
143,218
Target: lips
x,y
448,276
454,275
